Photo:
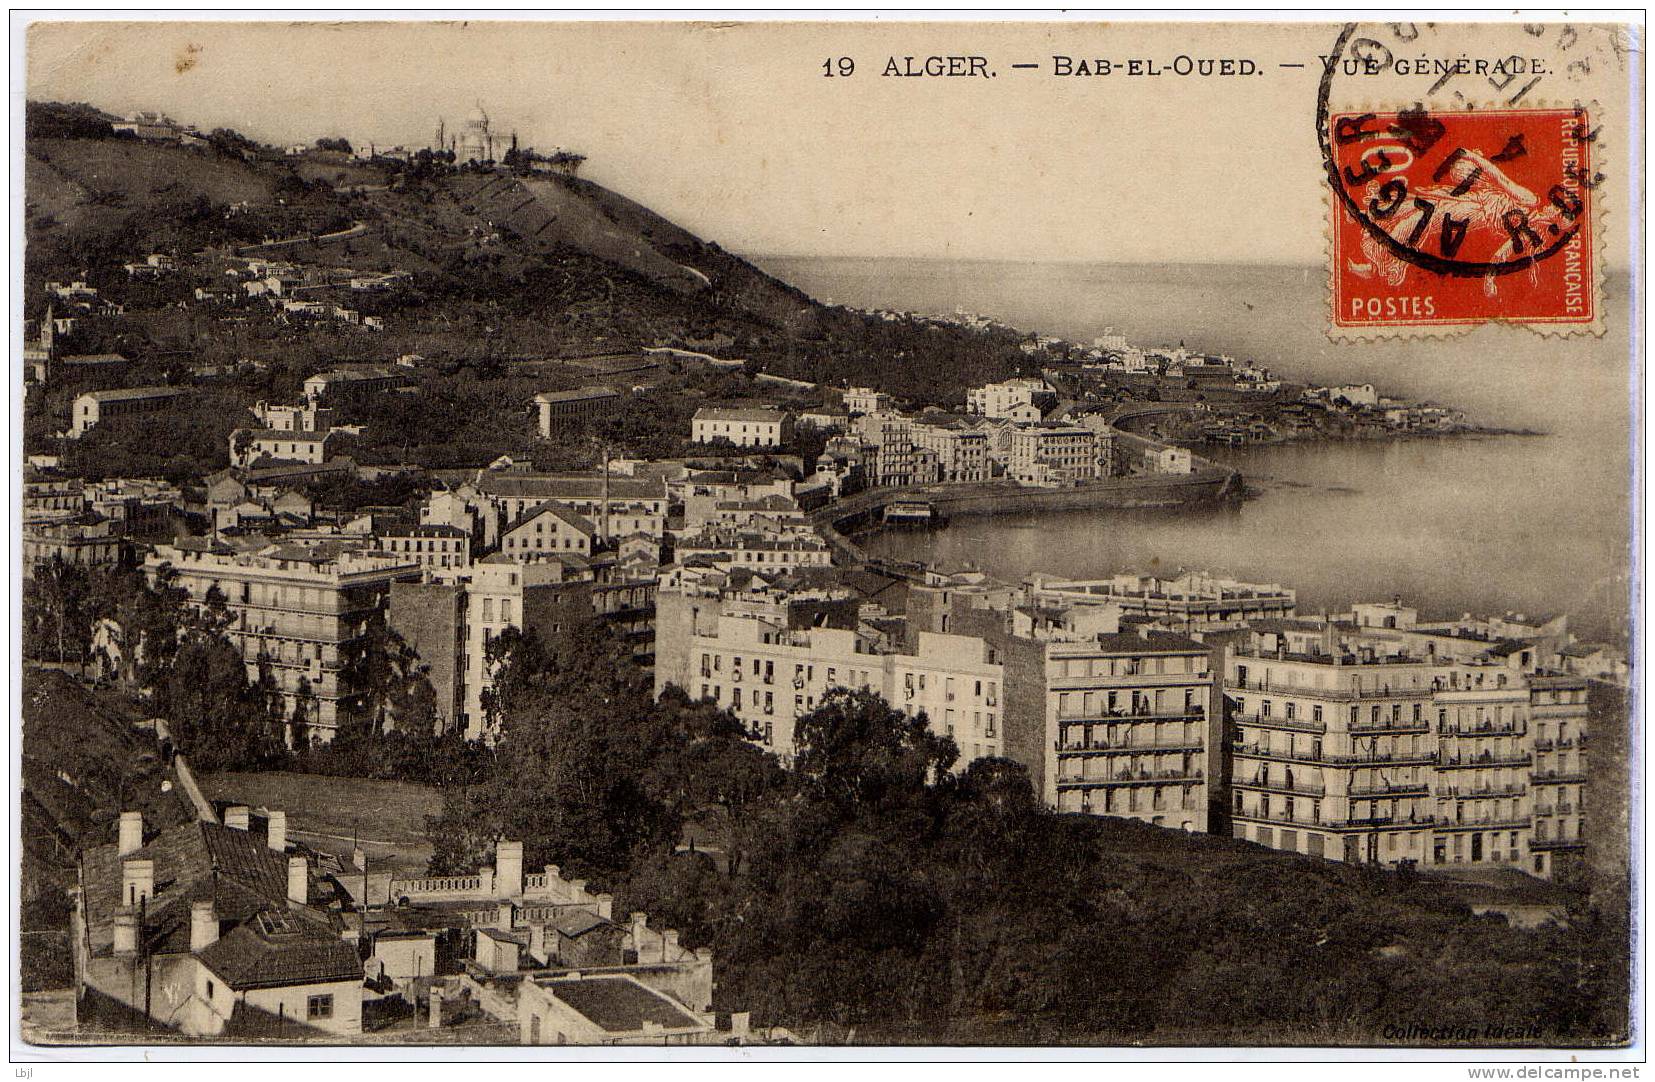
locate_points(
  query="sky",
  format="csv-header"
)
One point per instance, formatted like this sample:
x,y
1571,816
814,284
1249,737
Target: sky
x,y
735,132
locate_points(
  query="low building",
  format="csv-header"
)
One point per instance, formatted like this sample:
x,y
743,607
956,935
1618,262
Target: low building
x,y
248,446
343,383
559,409
550,529
741,427
209,930
97,407
1194,599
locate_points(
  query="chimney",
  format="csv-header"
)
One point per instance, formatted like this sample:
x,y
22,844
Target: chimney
x,y
126,933
508,869
606,905
277,834
203,925
137,882
131,838
298,880
236,818
640,924
741,1023
669,945
436,1006
577,890
503,916
359,857
537,944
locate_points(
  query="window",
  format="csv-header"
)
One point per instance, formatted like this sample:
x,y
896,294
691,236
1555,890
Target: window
x,y
319,1007
1316,712
209,991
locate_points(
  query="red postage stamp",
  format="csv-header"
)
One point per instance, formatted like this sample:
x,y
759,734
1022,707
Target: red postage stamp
x,y
1449,219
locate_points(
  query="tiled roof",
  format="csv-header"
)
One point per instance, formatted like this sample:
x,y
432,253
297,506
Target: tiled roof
x,y
129,394
566,487
563,514
715,413
621,1004
577,922
579,394
279,949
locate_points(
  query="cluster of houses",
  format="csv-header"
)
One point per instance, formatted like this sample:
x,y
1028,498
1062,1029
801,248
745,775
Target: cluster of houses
x,y
295,292
225,926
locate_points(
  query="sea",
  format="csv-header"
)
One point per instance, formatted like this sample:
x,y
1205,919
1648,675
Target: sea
x,y
1538,524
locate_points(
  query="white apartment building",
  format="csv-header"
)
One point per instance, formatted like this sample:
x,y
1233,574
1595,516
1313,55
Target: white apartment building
x,y
1354,746
294,608
866,400
1054,455
1011,399
962,453
771,675
741,427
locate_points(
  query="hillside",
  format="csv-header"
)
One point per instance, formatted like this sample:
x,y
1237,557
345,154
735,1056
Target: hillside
x,y
540,264
83,763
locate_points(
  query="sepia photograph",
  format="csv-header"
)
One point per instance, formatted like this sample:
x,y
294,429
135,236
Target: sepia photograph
x,y
851,536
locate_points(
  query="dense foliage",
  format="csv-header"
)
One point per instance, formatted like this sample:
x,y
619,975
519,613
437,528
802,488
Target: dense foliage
x,y
868,886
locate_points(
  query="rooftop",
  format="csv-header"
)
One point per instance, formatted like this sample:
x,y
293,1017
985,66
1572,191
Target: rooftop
x,y
621,1004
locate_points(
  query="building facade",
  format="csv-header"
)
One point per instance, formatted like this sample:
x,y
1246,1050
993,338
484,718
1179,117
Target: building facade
x,y
297,610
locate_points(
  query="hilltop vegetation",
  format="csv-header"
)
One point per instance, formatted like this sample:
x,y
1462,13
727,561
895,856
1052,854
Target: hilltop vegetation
x,y
502,264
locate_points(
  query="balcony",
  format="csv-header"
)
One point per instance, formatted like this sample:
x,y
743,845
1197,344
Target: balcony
x,y
1395,758
1543,844
1129,716
1098,747
1515,789
1415,788
1171,777
1257,751
1558,777
1485,823
1400,725
1340,694
1297,789
1268,721
1485,759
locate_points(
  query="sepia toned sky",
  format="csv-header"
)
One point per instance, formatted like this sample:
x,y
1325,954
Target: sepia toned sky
x,y
734,131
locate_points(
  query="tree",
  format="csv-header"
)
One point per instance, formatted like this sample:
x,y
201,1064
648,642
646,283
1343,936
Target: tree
x,y
858,751
338,143
56,599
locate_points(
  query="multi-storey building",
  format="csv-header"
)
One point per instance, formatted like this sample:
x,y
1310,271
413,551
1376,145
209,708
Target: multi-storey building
x,y
1108,722
615,505
1353,744
760,550
550,529
297,609
343,383
451,620
962,452
1013,399
741,427
559,409
1194,599
136,508
88,540
771,661
435,548
95,407
47,495
1054,455
866,400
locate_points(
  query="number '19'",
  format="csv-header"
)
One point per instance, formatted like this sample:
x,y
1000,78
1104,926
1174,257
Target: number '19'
x,y
838,65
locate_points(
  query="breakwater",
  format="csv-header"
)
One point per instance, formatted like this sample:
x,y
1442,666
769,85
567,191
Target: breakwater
x,y
863,511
